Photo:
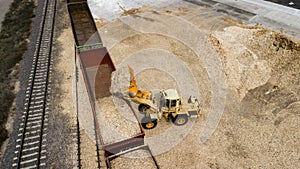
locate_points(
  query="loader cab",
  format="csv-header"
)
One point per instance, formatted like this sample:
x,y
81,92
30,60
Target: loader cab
x,y
171,98
171,103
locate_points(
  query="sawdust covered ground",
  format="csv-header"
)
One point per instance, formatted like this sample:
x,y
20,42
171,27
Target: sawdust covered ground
x,y
125,162
111,120
260,124
259,127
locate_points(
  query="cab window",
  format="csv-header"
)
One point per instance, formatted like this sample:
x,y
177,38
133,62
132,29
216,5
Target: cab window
x,y
167,103
173,103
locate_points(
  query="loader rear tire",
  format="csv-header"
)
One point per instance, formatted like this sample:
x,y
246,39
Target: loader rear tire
x,y
180,120
149,123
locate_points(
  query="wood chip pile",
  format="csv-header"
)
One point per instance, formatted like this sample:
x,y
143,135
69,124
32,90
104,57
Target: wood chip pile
x,y
117,121
134,160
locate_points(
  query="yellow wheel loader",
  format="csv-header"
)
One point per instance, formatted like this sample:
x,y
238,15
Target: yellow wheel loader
x,y
163,104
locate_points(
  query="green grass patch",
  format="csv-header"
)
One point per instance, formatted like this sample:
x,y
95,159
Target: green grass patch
x,y
15,30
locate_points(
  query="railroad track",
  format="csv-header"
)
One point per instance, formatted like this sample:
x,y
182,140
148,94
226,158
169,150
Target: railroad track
x,y
30,149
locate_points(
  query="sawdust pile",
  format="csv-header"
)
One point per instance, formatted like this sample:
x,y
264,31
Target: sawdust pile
x,y
134,163
146,8
133,11
100,22
115,125
252,57
177,12
155,81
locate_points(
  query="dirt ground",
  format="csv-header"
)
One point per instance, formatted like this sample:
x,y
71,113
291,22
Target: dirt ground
x,y
258,87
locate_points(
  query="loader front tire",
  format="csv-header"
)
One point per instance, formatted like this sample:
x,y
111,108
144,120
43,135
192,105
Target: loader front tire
x,y
180,120
149,123
143,108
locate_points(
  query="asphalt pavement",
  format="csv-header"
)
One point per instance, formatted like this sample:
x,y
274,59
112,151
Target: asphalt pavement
x,y
289,3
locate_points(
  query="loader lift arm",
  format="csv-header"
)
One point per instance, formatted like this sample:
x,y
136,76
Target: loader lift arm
x,y
133,90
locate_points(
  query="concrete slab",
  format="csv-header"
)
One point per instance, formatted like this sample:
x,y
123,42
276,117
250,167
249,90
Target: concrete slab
x,y
269,14
111,9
